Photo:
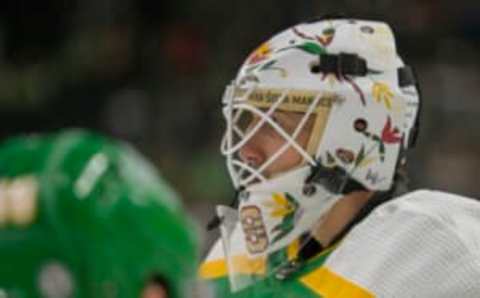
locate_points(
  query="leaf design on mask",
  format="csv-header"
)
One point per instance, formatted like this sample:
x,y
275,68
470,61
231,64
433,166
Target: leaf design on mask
x,y
308,47
311,48
281,206
270,65
366,162
360,156
382,93
286,207
362,159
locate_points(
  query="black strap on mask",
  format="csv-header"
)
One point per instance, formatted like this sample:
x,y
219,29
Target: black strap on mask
x,y
334,179
341,64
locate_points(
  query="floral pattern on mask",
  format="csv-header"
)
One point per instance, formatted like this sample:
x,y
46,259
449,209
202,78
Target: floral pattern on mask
x,y
317,45
285,207
389,135
262,53
382,93
325,39
362,160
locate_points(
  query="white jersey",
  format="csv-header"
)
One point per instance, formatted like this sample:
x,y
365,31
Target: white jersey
x,y
423,244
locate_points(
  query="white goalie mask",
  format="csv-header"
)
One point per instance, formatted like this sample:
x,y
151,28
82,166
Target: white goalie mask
x,y
348,104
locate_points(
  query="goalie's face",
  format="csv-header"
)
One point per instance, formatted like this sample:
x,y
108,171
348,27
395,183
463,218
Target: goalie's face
x,y
267,141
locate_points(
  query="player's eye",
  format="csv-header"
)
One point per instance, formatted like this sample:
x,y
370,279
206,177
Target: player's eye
x,y
276,120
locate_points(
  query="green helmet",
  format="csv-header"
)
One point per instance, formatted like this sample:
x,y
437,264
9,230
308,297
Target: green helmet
x,y
85,216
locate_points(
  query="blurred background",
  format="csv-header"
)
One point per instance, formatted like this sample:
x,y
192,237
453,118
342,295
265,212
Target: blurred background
x,y
153,72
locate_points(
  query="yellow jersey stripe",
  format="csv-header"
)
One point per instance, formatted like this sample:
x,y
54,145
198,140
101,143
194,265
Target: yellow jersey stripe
x,y
240,264
328,284
213,269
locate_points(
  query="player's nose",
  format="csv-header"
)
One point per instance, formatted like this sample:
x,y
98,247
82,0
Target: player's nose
x,y
252,154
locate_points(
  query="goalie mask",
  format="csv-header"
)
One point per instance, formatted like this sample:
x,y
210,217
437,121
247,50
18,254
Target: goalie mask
x,y
339,107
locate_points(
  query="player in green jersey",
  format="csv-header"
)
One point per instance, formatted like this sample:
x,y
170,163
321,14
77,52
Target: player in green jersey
x,y
82,215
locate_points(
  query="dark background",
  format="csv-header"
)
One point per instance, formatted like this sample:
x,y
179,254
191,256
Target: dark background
x,y
153,72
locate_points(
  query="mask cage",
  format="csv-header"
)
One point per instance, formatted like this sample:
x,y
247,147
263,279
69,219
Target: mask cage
x,y
249,110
